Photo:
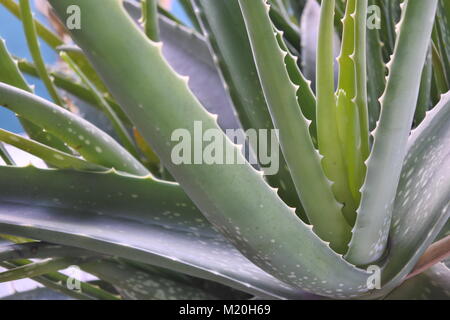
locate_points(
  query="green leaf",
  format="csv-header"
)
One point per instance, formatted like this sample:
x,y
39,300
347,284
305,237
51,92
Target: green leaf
x,y
291,32
137,284
54,41
417,220
309,30
33,45
389,18
150,19
39,250
58,282
6,157
294,137
350,138
440,77
376,73
327,126
347,112
51,156
92,143
442,26
188,53
118,220
361,76
11,75
276,239
74,88
115,193
398,105
188,8
424,100
433,284
347,71
234,58
35,269
117,124
170,233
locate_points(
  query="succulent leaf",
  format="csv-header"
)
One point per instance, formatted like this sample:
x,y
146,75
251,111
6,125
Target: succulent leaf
x,y
416,222
35,269
233,56
433,284
11,75
398,105
38,250
51,156
136,284
92,143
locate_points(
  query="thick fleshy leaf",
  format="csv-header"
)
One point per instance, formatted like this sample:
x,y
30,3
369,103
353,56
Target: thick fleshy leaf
x,y
376,70
29,28
38,250
360,58
187,53
58,282
38,268
309,31
424,102
182,251
54,41
51,156
150,19
277,241
136,284
11,75
433,284
371,230
327,127
233,55
280,93
105,222
347,113
422,205
92,143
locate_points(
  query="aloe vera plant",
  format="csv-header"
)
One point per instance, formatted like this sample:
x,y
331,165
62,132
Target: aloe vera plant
x,y
358,207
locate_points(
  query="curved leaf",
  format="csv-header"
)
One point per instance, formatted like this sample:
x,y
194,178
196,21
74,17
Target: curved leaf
x,y
34,47
298,149
92,143
422,204
11,75
233,56
309,31
433,284
38,250
135,284
51,156
276,240
398,105
169,232
35,269
327,127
